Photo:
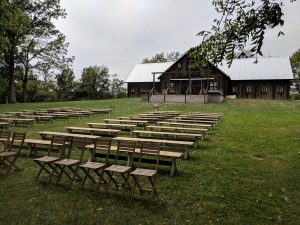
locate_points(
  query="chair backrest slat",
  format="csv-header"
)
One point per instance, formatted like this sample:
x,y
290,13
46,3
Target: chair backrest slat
x,y
126,146
17,140
77,143
151,150
60,142
102,144
5,137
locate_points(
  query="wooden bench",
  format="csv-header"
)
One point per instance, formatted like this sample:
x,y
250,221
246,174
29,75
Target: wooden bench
x,y
94,131
60,115
179,129
39,118
18,121
136,122
215,120
197,125
170,157
166,135
12,114
169,113
46,134
182,144
120,126
201,116
100,111
4,125
191,121
137,118
80,114
34,144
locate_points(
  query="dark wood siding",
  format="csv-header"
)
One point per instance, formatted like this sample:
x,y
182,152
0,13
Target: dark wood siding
x,y
260,89
138,89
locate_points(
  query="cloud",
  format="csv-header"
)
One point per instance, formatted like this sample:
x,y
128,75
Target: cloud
x,y
121,33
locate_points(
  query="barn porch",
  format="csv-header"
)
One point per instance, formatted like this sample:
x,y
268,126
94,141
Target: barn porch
x,y
191,87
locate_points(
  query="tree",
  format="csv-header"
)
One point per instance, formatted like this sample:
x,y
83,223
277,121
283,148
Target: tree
x,y
295,63
162,57
117,87
95,81
242,23
65,84
38,43
13,27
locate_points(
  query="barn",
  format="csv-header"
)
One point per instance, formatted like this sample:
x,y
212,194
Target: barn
x,y
247,77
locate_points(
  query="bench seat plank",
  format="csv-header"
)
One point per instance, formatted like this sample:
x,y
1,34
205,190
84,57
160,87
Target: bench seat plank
x,y
172,156
193,136
185,144
94,130
182,129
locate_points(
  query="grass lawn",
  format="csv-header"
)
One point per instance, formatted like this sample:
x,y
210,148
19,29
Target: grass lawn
x,y
247,171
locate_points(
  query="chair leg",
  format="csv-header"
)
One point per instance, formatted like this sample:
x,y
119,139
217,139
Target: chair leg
x,y
43,167
85,176
60,174
134,186
153,189
136,181
101,178
108,183
125,184
75,174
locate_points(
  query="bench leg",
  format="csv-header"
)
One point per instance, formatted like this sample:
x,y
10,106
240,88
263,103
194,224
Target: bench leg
x,y
186,152
196,142
173,167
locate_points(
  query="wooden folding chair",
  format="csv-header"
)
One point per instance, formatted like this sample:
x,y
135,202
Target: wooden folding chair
x,y
5,139
46,162
151,150
129,148
11,152
94,165
71,164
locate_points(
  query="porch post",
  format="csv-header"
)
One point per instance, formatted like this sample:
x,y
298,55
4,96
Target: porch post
x,y
153,88
190,82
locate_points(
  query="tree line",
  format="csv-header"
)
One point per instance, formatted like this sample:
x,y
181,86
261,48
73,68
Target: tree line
x,y
34,61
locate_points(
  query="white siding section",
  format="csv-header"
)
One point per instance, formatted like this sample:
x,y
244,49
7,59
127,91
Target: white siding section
x,y
271,68
143,72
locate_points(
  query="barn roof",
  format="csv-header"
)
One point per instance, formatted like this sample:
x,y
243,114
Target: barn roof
x,y
143,72
267,68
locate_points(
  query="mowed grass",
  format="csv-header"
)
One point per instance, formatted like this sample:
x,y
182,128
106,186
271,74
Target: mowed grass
x,y
246,171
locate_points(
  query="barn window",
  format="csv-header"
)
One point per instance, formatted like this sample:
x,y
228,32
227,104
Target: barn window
x,y
264,89
249,89
132,90
179,65
143,90
280,89
214,85
234,89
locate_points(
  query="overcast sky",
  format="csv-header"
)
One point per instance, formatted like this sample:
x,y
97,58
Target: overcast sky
x,y
120,33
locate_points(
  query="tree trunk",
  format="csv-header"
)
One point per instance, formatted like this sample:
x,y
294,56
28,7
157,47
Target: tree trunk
x,y
11,83
24,86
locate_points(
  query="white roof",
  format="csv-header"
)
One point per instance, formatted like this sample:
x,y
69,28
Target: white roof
x,y
143,72
267,68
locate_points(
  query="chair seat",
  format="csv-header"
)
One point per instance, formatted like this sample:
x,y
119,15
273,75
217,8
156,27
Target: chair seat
x,y
118,168
67,162
93,165
144,172
6,154
47,159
